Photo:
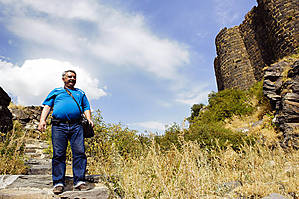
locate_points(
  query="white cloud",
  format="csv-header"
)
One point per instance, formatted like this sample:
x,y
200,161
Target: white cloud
x,y
31,82
105,34
195,95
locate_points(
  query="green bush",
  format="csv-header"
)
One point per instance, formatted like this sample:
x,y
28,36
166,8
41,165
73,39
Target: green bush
x,y
207,122
215,136
227,103
111,138
172,137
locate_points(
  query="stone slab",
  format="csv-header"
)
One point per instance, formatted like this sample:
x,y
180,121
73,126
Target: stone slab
x,y
40,187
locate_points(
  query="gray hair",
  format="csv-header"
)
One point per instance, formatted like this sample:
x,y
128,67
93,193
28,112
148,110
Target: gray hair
x,y
72,71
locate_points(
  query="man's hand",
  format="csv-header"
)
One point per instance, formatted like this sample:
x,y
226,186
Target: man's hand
x,y
90,122
42,126
87,114
42,123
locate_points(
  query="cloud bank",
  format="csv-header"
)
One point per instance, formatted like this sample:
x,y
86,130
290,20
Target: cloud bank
x,y
111,36
31,82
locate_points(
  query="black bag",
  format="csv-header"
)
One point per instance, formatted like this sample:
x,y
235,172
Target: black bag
x,y
87,128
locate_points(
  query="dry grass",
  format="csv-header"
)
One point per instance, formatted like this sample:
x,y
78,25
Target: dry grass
x,y
195,173
11,151
15,106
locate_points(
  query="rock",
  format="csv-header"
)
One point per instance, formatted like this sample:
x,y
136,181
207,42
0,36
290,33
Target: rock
x,y
283,92
5,114
228,186
275,196
40,186
28,116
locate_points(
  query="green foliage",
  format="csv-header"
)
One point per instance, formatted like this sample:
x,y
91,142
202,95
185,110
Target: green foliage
x,y
207,122
227,103
195,110
172,137
112,141
215,136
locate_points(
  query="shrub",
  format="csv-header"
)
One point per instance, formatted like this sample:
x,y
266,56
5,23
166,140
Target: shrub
x,y
111,143
172,137
215,136
227,103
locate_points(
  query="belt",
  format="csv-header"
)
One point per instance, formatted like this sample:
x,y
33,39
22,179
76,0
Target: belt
x,y
59,121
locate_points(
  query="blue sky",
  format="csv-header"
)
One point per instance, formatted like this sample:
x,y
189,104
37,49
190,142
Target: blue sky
x,y
143,63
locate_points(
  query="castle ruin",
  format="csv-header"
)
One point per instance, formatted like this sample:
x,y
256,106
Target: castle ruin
x,y
268,33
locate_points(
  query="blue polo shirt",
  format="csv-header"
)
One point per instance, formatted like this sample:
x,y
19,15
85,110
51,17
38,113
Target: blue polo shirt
x,y
64,106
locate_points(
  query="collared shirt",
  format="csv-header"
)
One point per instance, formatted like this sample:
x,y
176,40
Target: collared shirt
x,y
64,106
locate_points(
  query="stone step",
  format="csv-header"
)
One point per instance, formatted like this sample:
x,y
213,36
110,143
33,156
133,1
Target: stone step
x,y
40,186
37,146
37,155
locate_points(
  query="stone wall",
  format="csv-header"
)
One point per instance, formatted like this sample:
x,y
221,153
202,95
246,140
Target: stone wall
x,y
268,33
233,60
5,114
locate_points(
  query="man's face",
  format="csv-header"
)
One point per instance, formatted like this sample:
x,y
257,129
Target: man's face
x,y
69,79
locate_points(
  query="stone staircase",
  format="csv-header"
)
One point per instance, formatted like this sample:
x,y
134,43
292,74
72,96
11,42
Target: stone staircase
x,y
37,183
36,158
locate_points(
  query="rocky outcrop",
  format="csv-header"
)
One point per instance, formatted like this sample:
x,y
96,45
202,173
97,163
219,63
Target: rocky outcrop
x,y
28,116
281,86
5,114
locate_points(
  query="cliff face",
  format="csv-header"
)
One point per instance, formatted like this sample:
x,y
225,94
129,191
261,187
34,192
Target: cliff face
x,y
269,32
281,86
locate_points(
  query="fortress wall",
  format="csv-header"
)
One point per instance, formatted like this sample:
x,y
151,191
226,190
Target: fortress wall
x,y
218,74
268,33
280,18
235,68
255,38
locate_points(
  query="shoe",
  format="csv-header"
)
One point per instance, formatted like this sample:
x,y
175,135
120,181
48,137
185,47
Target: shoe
x,y
58,189
82,187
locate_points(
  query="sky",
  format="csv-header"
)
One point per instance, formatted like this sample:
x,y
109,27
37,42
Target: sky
x,y
142,63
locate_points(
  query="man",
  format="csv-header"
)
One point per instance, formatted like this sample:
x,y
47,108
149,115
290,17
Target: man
x,y
66,126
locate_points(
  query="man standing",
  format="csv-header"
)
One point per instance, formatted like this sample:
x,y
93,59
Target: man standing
x,y
66,126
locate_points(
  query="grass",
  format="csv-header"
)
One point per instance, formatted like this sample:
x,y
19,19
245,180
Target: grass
x,y
193,172
12,151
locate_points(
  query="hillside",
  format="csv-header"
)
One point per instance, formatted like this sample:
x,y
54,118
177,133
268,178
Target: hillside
x,y
231,149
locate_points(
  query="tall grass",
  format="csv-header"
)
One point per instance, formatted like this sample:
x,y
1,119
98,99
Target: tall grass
x,y
193,172
12,151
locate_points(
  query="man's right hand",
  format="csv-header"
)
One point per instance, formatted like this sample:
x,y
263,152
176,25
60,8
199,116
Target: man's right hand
x,y
42,126
42,123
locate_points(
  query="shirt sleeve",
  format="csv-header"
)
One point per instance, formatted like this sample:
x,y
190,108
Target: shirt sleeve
x,y
50,98
85,103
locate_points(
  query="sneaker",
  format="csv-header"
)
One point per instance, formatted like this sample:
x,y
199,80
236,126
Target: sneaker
x,y
58,189
81,187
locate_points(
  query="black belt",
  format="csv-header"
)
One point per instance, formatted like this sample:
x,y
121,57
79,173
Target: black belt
x,y
59,121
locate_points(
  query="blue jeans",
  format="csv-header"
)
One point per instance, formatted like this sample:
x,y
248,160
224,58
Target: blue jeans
x,y
61,133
